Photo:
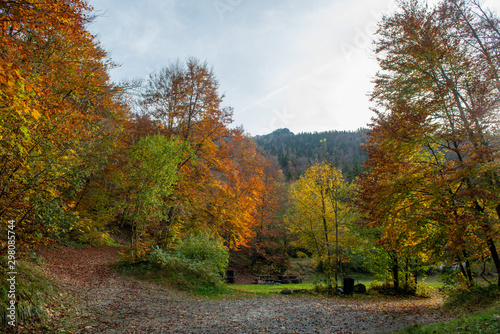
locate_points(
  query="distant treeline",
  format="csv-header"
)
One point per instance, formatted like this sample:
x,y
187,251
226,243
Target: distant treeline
x,y
296,152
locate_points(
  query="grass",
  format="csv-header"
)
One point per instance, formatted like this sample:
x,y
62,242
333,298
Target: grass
x,y
478,310
433,281
265,289
41,305
481,322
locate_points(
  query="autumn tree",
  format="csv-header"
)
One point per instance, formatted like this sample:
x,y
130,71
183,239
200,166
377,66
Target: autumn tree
x,y
432,149
220,182
318,215
57,111
268,251
147,179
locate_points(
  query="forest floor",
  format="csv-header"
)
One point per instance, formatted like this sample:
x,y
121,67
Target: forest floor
x,y
112,303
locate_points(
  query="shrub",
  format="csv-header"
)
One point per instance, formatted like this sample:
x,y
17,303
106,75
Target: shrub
x,y
424,290
195,265
387,288
325,289
476,295
204,249
452,283
381,287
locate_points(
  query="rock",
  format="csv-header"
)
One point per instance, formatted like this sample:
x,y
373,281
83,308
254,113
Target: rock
x,y
286,292
360,288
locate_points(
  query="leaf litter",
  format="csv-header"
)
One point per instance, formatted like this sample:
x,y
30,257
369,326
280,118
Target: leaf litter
x,y
119,304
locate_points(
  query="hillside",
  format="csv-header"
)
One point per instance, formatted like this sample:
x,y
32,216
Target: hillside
x,y
296,152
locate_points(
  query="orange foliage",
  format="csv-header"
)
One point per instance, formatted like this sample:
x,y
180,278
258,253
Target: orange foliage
x,y
55,102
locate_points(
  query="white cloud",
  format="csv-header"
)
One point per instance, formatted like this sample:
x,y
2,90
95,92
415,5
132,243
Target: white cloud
x,y
300,64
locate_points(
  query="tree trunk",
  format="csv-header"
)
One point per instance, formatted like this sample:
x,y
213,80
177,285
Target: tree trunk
x,y
327,243
407,273
416,272
466,272
494,256
395,273
493,250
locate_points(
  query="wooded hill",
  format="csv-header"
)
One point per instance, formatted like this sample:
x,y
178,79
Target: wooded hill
x,y
297,152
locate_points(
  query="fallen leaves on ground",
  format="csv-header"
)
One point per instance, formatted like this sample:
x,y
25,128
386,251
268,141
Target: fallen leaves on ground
x,y
118,304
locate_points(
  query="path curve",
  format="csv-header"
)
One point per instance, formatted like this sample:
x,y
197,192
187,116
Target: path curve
x,y
118,304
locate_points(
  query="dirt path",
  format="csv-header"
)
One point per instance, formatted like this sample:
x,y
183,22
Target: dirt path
x,y
117,304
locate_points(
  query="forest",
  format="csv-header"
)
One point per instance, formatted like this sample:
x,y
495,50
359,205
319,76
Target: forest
x,y
156,169
297,152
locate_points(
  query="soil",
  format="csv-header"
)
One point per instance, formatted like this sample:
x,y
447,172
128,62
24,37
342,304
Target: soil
x,y
112,303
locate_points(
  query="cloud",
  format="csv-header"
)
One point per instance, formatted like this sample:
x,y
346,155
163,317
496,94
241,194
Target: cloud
x,y
306,65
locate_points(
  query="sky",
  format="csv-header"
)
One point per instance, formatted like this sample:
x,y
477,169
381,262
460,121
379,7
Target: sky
x,y
302,65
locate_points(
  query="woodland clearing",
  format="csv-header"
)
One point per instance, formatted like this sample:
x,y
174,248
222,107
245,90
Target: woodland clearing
x,y
112,303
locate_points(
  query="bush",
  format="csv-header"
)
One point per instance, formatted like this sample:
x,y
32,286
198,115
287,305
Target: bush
x,y
177,264
387,288
381,287
195,265
325,289
204,249
476,295
424,290
452,283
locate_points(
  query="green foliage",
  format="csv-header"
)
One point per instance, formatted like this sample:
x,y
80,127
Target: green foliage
x,y
265,289
478,295
33,294
180,267
325,289
420,289
86,232
195,265
205,249
486,320
68,227
178,273
151,175
424,290
147,180
383,287
452,283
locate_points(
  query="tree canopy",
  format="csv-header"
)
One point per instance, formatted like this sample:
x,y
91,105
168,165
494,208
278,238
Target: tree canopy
x,y
432,180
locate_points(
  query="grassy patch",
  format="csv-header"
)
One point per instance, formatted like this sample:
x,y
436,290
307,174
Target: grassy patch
x,y
478,297
478,310
265,289
40,305
481,322
433,281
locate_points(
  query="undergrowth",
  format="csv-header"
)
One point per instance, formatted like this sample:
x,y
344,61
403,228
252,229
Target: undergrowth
x,y
477,308
195,265
421,289
180,276
38,301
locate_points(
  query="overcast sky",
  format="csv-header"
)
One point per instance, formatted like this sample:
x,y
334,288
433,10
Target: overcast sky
x,y
304,65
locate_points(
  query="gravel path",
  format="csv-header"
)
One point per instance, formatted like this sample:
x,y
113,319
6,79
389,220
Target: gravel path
x,y
117,304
